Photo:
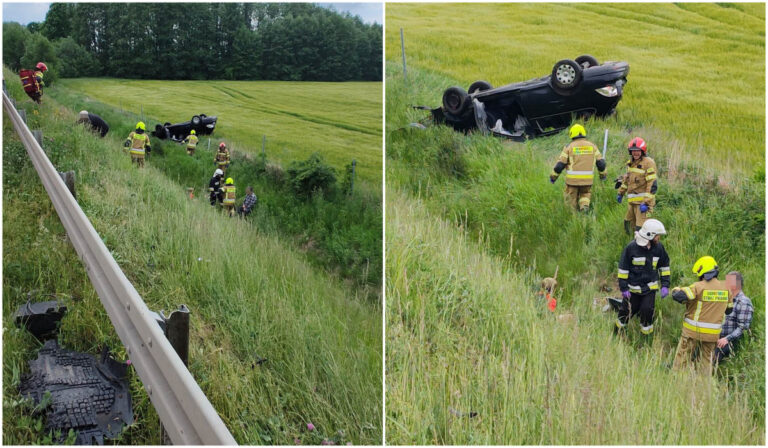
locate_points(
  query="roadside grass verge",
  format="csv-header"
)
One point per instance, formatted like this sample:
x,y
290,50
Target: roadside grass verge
x,y
250,297
463,339
341,121
339,232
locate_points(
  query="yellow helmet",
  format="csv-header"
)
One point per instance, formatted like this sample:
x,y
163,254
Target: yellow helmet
x,y
140,125
704,265
192,132
577,130
230,181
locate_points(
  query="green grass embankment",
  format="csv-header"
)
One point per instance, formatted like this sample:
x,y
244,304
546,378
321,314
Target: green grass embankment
x,y
250,297
339,232
473,225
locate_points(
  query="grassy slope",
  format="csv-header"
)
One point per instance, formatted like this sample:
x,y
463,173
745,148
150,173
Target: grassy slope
x,y
453,310
249,297
697,71
341,121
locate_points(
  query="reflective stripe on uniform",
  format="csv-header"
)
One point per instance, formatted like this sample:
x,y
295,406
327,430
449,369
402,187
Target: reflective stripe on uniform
x,y
582,150
701,327
137,151
689,293
636,197
638,261
636,170
664,270
633,288
653,285
714,296
623,273
650,178
570,174
655,262
619,324
646,330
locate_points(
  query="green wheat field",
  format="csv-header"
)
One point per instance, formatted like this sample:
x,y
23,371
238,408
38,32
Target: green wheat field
x,y
341,121
473,225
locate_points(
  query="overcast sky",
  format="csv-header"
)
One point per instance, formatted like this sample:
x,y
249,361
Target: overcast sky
x,y
27,12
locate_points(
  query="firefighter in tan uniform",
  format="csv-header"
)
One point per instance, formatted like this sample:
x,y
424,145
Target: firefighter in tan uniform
x,y
639,185
229,197
578,158
706,304
138,141
191,142
222,157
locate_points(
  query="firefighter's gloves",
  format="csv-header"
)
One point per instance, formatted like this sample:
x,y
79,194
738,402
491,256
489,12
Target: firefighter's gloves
x,y
619,198
679,296
664,291
603,176
552,178
643,208
625,294
127,143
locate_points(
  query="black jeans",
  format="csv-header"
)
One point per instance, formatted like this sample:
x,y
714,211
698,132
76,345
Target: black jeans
x,y
728,350
641,305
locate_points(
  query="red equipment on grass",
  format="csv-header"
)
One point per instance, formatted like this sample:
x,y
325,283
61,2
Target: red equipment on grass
x,y
30,84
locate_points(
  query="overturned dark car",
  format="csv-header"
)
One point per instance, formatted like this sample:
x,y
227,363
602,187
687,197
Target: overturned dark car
x,y
202,124
578,88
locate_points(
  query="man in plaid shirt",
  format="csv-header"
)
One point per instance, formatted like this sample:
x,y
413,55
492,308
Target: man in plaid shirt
x,y
736,322
248,203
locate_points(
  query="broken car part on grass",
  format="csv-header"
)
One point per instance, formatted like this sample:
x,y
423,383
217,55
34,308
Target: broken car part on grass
x,y
42,319
543,106
87,395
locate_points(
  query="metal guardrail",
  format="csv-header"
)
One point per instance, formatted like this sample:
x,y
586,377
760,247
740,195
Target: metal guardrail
x,y
187,415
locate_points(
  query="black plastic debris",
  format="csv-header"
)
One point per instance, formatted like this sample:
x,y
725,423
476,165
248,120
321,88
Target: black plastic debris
x,y
41,319
88,395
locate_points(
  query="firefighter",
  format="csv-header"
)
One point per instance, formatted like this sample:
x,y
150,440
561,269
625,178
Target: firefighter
x,y
706,303
139,143
644,264
229,197
41,67
577,159
191,142
639,185
214,187
222,157
32,81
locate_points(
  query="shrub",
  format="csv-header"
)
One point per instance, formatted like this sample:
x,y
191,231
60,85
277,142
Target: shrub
x,y
310,176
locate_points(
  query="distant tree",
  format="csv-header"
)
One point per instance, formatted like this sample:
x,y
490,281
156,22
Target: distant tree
x,y
39,49
58,21
34,27
15,38
245,57
74,60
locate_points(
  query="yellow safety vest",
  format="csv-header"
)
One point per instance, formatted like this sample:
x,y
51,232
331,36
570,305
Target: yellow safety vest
x,y
705,309
229,195
138,143
191,141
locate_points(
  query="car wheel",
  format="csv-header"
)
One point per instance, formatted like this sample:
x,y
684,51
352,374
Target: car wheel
x,y
586,61
566,74
203,115
196,120
455,100
167,124
479,86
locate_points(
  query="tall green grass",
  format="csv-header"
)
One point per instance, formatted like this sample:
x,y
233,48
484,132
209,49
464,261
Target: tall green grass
x,y
473,225
342,121
338,231
697,71
250,297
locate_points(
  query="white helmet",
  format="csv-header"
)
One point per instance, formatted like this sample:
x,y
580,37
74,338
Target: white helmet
x,y
648,231
218,172
83,114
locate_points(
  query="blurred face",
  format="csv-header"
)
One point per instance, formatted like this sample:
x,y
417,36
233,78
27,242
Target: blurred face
x,y
732,283
636,153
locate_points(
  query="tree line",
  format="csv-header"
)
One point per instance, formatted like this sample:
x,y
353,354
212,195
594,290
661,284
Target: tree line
x,y
235,41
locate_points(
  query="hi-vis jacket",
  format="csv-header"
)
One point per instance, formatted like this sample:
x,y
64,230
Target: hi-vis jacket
x,y
578,158
706,304
640,181
222,158
229,195
191,141
138,143
641,269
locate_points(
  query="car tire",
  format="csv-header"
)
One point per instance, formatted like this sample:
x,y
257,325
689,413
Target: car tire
x,y
203,115
566,74
160,131
479,86
167,124
586,61
455,100
196,120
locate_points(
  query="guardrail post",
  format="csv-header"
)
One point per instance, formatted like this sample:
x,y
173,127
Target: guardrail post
x,y
263,143
38,134
69,180
177,331
23,115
